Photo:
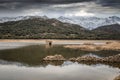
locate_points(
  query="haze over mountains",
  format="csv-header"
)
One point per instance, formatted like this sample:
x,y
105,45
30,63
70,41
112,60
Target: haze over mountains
x,y
86,22
42,27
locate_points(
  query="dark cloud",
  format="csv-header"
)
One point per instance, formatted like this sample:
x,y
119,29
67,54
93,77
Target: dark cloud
x,y
62,1
109,1
46,1
112,3
58,7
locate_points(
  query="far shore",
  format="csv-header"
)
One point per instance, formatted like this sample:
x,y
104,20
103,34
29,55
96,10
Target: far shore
x,y
87,45
54,40
90,46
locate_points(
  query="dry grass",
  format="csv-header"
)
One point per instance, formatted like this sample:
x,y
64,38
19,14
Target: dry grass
x,y
114,45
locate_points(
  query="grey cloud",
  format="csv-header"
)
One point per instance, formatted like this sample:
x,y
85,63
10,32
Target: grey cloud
x,y
24,3
46,1
111,3
58,7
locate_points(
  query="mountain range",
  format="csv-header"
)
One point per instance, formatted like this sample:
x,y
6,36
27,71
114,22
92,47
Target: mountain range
x,y
91,22
87,22
6,19
35,28
51,28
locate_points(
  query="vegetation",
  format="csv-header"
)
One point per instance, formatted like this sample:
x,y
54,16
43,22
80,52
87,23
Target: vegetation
x,y
39,28
108,32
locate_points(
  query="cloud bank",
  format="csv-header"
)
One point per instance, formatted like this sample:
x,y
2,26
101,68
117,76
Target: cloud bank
x,y
56,8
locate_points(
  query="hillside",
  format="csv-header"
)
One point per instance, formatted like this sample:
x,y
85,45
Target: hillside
x,y
40,28
108,32
45,28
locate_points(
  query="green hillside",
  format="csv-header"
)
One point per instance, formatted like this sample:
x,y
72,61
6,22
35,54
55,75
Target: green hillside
x,y
39,28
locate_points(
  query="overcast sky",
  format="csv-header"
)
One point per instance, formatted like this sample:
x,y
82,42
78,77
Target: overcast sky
x,y
56,8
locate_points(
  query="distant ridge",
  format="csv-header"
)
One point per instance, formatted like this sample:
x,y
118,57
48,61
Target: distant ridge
x,y
109,31
91,22
87,22
40,28
7,19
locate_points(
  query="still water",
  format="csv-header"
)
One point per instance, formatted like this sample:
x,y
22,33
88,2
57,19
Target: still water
x,y
24,62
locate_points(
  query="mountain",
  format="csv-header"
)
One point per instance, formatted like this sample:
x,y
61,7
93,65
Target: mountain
x,y
6,19
115,28
41,28
108,32
87,22
46,28
91,22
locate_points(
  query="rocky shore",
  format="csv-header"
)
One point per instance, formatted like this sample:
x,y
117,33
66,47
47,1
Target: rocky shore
x,y
112,59
117,78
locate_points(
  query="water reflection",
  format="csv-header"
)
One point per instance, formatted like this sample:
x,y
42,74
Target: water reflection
x,y
33,55
3,62
12,45
67,71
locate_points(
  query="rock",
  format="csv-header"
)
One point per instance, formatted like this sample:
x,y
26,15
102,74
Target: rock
x,y
112,59
72,59
54,58
117,78
87,58
115,58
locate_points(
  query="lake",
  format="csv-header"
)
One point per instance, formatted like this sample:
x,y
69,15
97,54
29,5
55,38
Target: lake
x,y
23,61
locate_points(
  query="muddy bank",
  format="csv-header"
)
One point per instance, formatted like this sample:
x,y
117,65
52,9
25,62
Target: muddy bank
x,y
112,45
111,59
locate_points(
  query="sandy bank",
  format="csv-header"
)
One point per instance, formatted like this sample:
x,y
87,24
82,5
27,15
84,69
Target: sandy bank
x,y
89,46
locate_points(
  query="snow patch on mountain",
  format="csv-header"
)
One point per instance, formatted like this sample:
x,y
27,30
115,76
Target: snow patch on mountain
x,y
86,22
6,19
91,22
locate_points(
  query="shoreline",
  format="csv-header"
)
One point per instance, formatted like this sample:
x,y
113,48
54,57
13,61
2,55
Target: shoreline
x,y
54,40
86,45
